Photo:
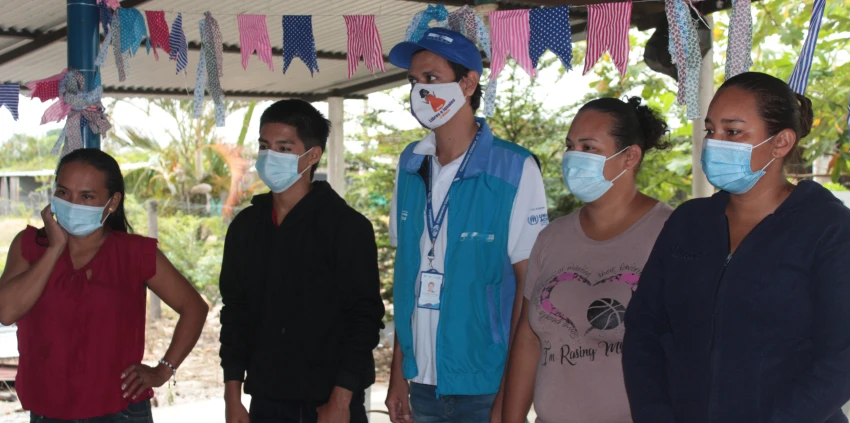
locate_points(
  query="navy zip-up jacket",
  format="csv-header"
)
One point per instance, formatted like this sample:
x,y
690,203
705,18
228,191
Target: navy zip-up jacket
x,y
758,336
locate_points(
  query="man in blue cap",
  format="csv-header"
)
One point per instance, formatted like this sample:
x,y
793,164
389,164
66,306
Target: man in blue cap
x,y
466,212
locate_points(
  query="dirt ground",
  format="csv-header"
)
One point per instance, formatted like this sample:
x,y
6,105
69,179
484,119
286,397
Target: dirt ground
x,y
199,377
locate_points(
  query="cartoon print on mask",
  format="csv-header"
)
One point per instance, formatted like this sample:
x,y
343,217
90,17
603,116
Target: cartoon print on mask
x,y
435,102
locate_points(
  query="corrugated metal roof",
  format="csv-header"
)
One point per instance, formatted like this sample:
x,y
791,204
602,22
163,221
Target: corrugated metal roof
x,y
146,73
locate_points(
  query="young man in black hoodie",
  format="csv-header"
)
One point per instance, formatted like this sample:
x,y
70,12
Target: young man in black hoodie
x,y
299,282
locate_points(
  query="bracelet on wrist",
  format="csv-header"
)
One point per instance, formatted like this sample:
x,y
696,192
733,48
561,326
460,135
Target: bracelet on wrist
x,y
173,369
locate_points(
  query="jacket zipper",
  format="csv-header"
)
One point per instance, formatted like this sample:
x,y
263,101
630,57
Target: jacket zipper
x,y
713,335
714,311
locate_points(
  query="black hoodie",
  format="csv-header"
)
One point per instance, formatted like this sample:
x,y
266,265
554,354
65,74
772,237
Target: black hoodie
x,y
758,336
302,306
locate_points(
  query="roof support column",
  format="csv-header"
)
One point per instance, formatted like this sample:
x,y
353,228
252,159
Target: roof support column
x,y
699,183
336,146
83,37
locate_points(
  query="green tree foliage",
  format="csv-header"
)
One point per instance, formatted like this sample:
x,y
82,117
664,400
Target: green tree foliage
x,y
24,152
779,30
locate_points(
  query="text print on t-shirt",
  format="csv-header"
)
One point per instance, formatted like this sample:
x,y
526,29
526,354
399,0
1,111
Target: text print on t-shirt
x,y
590,307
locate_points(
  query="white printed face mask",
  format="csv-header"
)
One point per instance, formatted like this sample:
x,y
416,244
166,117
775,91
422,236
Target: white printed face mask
x,y
435,104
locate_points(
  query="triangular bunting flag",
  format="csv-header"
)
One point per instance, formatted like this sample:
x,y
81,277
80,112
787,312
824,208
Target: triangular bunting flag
x,y
9,98
363,41
298,41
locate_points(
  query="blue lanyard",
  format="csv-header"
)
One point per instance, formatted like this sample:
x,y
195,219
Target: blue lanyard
x,y
433,222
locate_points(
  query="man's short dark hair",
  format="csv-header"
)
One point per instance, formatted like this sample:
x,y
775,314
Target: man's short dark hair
x,y
461,71
311,126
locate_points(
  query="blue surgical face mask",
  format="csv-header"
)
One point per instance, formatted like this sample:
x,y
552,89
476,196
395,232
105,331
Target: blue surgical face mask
x,y
583,174
279,170
727,165
77,219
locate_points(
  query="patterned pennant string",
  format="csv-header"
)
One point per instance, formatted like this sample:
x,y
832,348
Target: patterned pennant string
x,y
214,48
210,69
468,23
159,36
47,88
9,98
56,112
254,36
685,53
100,60
422,21
800,76
608,30
105,16
177,42
112,4
298,41
550,29
200,79
133,30
739,50
122,61
86,109
363,40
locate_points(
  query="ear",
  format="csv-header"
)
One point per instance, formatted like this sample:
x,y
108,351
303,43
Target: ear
x,y
783,143
633,156
116,200
469,83
315,155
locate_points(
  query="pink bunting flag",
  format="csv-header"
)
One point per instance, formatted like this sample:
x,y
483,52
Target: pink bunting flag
x,y
254,36
608,30
363,40
47,88
510,32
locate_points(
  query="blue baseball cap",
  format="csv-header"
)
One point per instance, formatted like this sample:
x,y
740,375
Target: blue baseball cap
x,y
448,44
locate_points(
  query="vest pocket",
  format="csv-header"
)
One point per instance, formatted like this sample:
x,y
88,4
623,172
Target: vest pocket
x,y
493,309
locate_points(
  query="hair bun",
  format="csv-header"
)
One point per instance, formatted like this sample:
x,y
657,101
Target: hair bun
x,y
651,124
807,116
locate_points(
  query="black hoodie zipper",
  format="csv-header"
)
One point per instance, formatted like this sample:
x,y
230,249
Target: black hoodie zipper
x,y
714,310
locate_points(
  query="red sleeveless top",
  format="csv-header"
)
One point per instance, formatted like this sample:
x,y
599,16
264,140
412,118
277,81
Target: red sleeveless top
x,y
84,331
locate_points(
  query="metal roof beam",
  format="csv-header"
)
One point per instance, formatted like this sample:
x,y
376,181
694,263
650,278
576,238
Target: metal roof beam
x,y
46,38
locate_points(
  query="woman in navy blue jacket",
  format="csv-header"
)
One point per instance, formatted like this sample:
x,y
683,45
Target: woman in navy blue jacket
x,y
743,310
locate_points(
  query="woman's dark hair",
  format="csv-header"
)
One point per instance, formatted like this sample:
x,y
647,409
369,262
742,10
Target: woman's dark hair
x,y
634,123
779,106
117,220
423,93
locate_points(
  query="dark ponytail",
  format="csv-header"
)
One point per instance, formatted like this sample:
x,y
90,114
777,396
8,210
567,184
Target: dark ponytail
x,y
779,107
634,122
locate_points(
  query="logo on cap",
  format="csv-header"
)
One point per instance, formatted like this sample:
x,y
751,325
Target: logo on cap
x,y
441,38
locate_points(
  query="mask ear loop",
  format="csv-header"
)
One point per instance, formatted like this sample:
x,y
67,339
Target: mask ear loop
x,y
759,145
308,167
107,214
624,170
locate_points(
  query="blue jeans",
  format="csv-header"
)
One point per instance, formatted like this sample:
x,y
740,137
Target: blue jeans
x,y
265,410
427,408
139,412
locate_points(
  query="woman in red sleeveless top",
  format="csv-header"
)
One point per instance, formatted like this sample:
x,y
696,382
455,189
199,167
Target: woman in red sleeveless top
x,y
77,289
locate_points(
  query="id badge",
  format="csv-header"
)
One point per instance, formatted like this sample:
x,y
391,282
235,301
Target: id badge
x,y
430,287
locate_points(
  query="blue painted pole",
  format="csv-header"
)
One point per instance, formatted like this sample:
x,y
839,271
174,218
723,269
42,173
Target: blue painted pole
x,y
83,38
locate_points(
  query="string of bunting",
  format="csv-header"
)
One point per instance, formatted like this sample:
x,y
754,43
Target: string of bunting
x,y
522,34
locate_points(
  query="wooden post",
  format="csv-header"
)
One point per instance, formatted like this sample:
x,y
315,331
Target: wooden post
x,y
699,183
336,147
153,232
